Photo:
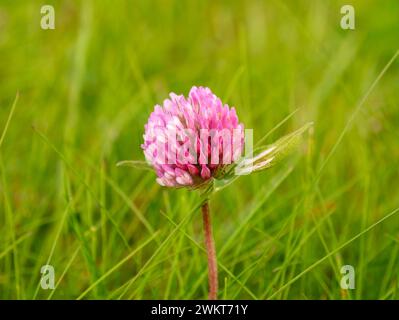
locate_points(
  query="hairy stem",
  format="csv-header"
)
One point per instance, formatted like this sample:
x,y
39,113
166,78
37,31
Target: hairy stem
x,y
210,249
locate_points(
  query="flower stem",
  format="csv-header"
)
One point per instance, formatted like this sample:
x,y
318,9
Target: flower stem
x,y
210,249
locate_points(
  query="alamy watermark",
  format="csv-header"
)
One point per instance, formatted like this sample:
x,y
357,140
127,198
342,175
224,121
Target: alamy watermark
x,y
47,278
348,278
202,146
348,18
47,20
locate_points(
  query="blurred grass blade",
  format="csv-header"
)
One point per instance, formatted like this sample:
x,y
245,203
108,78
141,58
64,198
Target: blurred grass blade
x,y
9,119
134,164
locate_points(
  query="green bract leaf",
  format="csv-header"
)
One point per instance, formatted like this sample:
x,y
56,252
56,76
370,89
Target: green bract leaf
x,y
264,158
267,156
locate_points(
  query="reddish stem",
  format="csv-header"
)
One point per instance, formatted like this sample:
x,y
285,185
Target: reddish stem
x,y
210,249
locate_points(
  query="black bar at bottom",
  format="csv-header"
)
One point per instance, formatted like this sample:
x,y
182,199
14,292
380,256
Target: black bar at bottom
x,y
202,309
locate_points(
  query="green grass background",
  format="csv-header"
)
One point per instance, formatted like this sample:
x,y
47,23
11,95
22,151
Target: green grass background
x,y
86,90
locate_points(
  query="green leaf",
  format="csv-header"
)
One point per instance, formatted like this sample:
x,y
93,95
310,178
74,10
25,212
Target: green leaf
x,y
270,155
264,158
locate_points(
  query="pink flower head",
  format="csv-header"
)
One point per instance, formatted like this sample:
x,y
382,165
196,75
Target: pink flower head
x,y
188,140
